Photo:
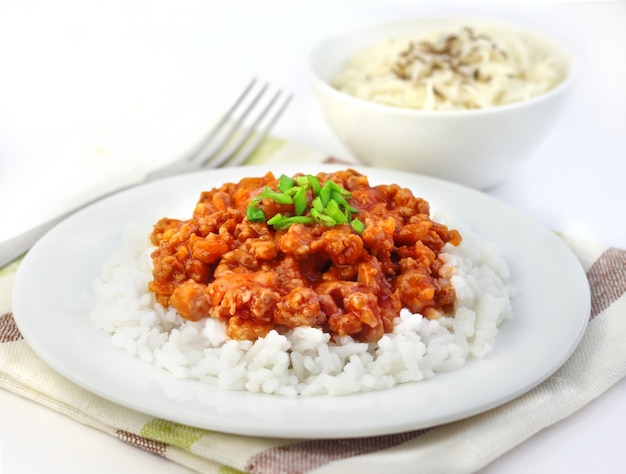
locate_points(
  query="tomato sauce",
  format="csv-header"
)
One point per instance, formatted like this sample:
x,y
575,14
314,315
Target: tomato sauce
x,y
255,278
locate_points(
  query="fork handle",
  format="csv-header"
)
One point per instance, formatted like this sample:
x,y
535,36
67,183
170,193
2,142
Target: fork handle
x,y
16,246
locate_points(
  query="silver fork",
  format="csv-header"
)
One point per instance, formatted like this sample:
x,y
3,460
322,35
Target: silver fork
x,y
230,142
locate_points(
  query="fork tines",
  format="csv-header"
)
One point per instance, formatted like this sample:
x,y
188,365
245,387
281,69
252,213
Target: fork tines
x,y
242,128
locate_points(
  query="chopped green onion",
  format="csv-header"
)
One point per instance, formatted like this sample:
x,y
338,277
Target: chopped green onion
x,y
328,206
275,219
315,183
332,210
285,183
293,191
357,225
299,220
323,218
341,190
342,202
281,222
280,198
325,193
287,221
255,214
300,202
318,205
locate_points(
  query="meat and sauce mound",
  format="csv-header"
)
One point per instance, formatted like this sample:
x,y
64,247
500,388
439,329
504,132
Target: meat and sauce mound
x,y
327,251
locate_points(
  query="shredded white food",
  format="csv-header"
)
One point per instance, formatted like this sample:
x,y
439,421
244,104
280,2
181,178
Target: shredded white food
x,y
462,69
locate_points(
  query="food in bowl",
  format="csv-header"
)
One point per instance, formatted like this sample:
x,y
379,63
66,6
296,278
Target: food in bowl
x,y
476,147
346,288
462,68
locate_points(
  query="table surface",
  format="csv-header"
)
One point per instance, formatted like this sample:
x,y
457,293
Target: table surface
x,y
93,91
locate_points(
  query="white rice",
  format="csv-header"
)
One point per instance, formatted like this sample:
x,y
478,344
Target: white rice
x,y
488,68
304,361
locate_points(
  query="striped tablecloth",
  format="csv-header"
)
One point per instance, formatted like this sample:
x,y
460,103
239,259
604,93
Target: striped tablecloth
x,y
459,447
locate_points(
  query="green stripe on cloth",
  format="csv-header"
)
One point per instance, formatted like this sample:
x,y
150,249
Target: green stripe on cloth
x,y
172,433
11,267
230,470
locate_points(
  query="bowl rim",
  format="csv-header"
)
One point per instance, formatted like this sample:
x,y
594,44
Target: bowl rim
x,y
494,22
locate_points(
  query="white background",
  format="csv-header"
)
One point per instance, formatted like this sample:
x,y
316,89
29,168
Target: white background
x,y
93,93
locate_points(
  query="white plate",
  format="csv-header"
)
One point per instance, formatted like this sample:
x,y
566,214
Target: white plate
x,y
550,315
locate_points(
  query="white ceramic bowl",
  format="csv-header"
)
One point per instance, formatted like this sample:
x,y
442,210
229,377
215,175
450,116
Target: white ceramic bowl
x,y
478,148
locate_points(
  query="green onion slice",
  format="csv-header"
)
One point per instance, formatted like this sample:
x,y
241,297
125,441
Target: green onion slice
x,y
300,202
315,184
285,183
328,204
332,210
318,205
323,218
357,225
324,194
255,214
280,198
282,222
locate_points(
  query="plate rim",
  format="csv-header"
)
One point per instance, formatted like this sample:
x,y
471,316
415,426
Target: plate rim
x,y
47,351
